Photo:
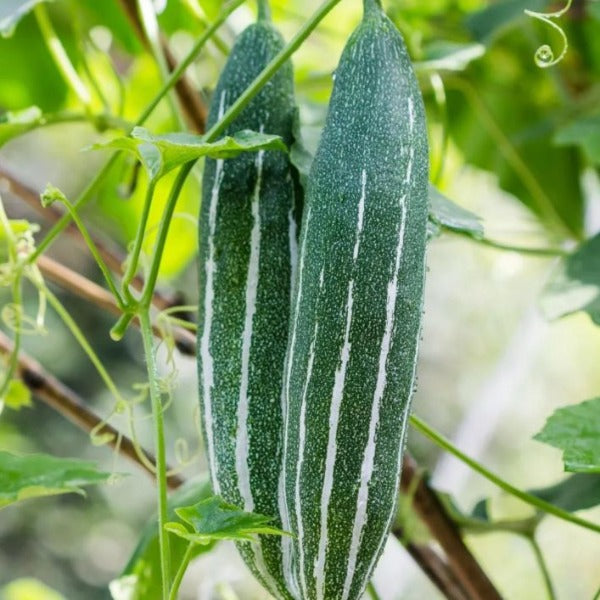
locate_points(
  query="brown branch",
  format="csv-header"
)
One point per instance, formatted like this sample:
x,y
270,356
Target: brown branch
x,y
191,102
432,512
84,288
66,402
113,258
436,569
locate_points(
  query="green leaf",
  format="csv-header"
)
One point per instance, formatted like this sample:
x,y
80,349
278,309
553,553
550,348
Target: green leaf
x,y
28,589
576,492
11,12
442,55
514,139
576,431
13,124
585,133
17,395
162,153
447,215
214,519
490,21
575,285
141,578
34,475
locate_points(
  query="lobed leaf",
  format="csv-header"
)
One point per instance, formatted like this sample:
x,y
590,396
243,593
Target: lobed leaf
x,y
162,153
575,285
34,475
576,431
445,214
214,519
141,577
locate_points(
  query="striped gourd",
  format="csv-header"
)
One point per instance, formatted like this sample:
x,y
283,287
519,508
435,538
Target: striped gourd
x,y
356,315
247,255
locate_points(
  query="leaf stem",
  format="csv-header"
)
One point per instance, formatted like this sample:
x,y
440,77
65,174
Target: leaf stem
x,y
61,59
63,313
265,75
543,567
16,298
81,201
162,233
372,591
185,561
187,61
529,250
134,257
95,253
538,503
149,24
159,441
542,252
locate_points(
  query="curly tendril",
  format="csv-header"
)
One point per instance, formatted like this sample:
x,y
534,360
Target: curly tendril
x,y
544,56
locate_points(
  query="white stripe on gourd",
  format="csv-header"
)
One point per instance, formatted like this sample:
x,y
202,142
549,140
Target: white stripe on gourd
x,y
207,360
360,286
242,441
248,215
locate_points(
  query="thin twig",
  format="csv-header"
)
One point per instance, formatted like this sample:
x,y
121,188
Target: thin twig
x,y
112,257
68,403
84,288
190,99
429,508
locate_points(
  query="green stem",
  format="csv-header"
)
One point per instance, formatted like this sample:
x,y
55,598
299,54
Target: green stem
x,y
543,568
159,435
81,201
541,252
372,591
543,204
16,297
162,233
134,258
187,61
439,94
264,10
218,129
152,33
64,315
93,186
185,561
538,503
61,59
234,110
95,253
14,356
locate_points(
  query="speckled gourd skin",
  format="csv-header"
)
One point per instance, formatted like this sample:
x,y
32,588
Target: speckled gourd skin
x,y
247,247
356,316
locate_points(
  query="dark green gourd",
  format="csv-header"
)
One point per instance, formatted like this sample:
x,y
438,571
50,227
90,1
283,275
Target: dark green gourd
x,y
356,315
247,254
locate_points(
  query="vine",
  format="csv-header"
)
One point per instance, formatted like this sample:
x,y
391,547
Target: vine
x,y
544,56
